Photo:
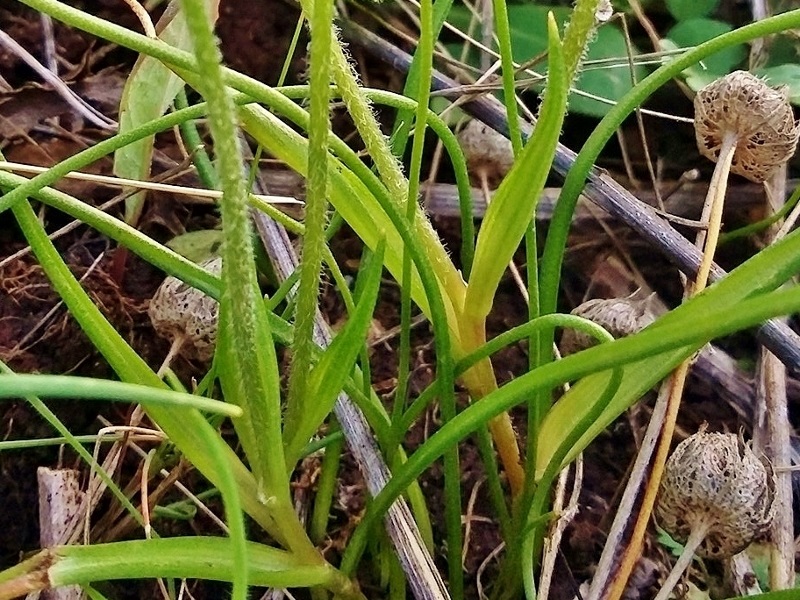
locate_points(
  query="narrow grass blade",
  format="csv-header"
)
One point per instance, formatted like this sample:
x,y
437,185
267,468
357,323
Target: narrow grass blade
x,y
337,361
69,386
149,90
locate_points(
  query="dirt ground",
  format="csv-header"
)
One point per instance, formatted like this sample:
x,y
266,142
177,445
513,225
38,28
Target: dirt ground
x,y
36,335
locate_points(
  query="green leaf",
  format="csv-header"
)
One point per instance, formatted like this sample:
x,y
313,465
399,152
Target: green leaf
x,y
782,49
514,203
694,32
720,302
690,9
336,363
529,27
612,81
197,246
786,75
183,426
264,378
149,90
184,557
88,388
693,323
670,544
529,39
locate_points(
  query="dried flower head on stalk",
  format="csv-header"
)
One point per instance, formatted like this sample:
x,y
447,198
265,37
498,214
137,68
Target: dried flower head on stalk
x,y
186,316
619,316
760,117
745,127
716,497
489,154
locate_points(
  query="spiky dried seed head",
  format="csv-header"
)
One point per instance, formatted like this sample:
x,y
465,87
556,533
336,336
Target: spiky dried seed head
x,y
178,310
619,316
760,116
716,479
486,151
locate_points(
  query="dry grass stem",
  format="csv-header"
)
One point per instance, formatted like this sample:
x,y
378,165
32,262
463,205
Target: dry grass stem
x,y
209,196
777,445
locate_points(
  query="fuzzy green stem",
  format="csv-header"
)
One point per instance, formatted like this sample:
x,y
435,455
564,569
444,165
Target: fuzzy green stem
x,y
577,35
377,146
248,340
316,206
237,252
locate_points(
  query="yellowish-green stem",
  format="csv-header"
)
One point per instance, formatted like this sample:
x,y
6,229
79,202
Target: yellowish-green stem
x,y
480,381
715,200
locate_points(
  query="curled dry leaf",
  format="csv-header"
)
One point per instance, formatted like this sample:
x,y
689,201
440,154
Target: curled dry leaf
x,y
489,153
619,316
183,313
714,481
760,116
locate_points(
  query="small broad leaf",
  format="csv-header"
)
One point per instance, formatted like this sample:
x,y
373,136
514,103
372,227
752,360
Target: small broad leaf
x,y
529,38
690,9
693,32
611,82
787,75
197,246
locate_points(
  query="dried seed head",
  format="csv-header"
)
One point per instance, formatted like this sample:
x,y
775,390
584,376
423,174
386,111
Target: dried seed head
x,y
760,116
715,480
487,151
618,316
180,311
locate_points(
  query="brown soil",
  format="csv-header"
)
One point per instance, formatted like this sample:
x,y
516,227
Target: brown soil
x,y
37,127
